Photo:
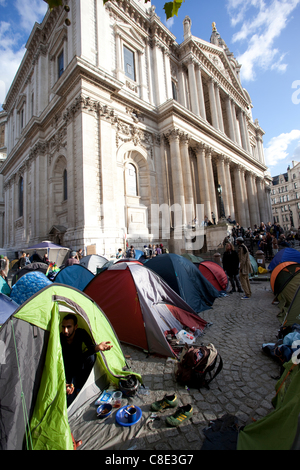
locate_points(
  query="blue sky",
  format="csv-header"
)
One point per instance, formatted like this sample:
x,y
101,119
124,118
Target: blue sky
x,y
262,34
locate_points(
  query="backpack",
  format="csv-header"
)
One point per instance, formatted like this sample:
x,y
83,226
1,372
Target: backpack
x,y
194,365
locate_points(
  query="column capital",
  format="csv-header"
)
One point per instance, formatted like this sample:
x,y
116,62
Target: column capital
x,y
199,147
184,138
172,134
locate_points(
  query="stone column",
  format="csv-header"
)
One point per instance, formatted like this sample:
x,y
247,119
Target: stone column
x,y
230,119
200,92
242,129
142,78
212,102
149,72
182,90
261,199
251,199
236,125
186,170
229,188
193,87
222,182
241,217
177,176
245,198
219,108
211,184
203,180
169,92
158,73
246,132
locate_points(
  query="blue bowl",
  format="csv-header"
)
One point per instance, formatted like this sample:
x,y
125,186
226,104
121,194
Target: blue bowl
x,y
103,411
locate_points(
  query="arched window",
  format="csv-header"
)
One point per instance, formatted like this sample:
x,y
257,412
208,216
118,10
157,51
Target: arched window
x,y
21,189
65,183
131,180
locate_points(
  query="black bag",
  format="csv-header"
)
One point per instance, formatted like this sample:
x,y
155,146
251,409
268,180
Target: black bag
x,y
195,364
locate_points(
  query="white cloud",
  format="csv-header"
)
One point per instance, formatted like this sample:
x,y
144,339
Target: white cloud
x,y
10,57
30,11
13,38
262,23
278,146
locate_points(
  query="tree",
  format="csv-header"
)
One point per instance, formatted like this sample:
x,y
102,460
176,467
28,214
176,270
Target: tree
x,y
171,8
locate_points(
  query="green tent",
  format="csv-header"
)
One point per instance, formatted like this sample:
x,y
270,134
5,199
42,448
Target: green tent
x,y
33,407
279,429
254,266
290,313
289,302
192,258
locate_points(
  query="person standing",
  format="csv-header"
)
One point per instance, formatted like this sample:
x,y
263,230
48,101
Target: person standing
x,y
231,267
245,267
72,260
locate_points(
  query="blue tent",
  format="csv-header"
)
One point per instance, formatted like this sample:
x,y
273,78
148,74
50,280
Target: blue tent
x,y
185,279
287,254
7,308
74,276
28,285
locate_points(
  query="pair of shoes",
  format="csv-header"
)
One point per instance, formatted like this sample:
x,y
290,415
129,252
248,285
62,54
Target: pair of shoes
x,y
232,291
168,401
245,297
182,414
240,291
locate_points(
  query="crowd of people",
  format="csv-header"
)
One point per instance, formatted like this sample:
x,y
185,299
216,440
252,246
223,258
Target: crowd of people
x,y
265,237
149,251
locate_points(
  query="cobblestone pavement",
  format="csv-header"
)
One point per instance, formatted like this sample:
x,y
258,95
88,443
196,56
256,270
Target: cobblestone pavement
x,y
244,387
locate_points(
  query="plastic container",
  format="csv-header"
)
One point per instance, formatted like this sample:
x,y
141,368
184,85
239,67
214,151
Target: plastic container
x,y
185,337
117,399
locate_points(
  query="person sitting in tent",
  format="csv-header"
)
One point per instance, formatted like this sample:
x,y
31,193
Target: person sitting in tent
x,y
78,364
231,267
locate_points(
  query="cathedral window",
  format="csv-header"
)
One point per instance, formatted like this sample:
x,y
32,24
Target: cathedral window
x,y
60,63
65,185
129,65
131,179
21,189
174,90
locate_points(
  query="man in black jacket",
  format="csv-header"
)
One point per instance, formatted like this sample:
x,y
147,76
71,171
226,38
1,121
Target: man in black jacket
x,y
231,267
78,364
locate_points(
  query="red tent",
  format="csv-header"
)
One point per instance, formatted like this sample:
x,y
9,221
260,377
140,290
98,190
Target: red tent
x,y
215,274
141,307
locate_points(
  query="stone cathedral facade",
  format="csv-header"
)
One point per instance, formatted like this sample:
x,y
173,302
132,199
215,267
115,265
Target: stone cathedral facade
x,y
109,116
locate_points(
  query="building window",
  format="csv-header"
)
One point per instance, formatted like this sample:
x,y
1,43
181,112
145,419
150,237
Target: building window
x,y
174,90
22,119
32,104
21,189
65,185
131,180
129,66
295,185
60,63
2,135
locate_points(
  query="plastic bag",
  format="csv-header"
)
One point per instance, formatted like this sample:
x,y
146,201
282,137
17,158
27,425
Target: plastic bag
x,y
185,337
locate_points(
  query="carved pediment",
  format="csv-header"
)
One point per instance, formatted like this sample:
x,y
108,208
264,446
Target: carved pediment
x,y
130,35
